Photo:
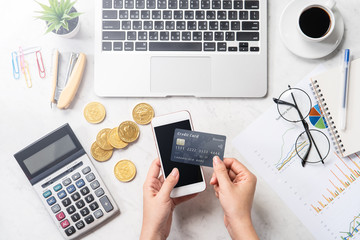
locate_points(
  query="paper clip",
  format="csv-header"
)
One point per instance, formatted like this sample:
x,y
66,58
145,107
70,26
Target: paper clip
x,y
27,76
15,65
22,58
25,68
40,64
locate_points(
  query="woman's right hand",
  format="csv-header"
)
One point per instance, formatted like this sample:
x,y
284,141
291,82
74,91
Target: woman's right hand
x,y
234,186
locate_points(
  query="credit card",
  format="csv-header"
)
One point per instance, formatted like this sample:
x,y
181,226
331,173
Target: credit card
x,y
197,148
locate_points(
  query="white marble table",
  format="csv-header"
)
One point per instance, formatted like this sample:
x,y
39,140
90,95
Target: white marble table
x,y
26,115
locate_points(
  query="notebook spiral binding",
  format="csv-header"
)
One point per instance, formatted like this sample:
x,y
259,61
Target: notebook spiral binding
x,y
335,136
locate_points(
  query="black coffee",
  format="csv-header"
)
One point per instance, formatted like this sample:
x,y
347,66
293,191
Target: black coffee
x,y
314,22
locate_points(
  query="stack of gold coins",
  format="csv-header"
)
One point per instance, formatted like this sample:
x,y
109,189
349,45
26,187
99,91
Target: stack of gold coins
x,y
119,137
108,139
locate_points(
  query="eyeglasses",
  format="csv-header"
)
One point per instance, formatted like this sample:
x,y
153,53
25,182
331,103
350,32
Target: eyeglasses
x,y
294,105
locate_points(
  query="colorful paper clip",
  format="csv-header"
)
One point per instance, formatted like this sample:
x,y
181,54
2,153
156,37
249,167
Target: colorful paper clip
x,y
25,68
40,64
15,65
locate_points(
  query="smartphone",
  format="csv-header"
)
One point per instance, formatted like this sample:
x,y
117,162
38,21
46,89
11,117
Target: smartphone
x,y
191,176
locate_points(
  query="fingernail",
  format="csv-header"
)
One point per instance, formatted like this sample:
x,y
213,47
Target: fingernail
x,y
216,160
174,172
212,179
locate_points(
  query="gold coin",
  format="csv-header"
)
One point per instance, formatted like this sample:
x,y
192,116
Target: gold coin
x,y
125,170
143,113
114,139
100,154
102,139
128,131
94,112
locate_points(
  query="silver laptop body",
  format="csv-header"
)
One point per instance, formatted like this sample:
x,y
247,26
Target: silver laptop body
x,y
202,48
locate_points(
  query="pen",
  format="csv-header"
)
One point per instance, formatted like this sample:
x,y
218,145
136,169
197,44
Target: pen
x,y
346,68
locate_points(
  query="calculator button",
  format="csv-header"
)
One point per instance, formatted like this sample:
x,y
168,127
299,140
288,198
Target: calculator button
x,y
80,204
99,192
55,208
85,211
65,223
84,191
75,217
98,214
51,201
71,188
80,183
47,194
62,194
106,204
76,176
57,187
66,182
93,206
89,198
70,231
71,209
66,202
89,219
90,177
60,216
75,196
86,170
94,185
80,225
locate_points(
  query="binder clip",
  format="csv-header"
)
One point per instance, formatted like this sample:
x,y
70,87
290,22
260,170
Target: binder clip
x,y
66,83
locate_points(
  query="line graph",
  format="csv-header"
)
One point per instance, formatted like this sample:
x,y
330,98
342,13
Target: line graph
x,y
290,155
353,228
286,157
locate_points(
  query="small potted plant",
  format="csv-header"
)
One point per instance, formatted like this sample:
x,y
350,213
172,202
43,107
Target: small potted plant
x,y
61,17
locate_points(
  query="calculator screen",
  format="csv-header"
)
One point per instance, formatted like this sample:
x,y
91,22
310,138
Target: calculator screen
x,y
49,154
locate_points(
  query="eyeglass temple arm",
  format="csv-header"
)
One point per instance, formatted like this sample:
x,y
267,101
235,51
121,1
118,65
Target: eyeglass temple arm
x,y
278,101
312,140
306,126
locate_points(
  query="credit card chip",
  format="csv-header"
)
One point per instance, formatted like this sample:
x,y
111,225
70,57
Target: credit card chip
x,y
180,142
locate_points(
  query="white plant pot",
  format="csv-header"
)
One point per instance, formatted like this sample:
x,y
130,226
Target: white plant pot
x,y
71,23
72,33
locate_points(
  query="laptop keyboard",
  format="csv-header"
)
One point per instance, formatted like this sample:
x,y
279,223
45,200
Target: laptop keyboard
x,y
181,25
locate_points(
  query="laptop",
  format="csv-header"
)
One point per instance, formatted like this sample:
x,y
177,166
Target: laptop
x,y
201,48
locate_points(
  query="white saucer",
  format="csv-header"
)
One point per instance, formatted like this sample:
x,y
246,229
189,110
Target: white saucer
x,y
296,44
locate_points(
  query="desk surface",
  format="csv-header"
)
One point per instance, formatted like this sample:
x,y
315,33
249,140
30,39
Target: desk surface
x,y
26,115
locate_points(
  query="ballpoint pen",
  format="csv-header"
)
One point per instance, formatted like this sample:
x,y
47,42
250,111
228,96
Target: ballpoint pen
x,y
346,67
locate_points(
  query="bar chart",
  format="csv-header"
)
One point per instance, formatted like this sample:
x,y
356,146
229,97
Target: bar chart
x,y
342,175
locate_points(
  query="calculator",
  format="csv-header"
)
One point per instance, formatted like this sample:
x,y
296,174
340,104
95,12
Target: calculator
x,y
67,183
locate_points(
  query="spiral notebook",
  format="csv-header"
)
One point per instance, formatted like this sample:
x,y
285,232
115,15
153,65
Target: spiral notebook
x,y
328,91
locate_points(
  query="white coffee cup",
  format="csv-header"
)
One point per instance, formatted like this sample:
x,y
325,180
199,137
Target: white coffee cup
x,y
326,7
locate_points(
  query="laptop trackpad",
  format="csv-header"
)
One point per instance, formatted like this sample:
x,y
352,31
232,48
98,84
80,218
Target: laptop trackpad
x,y
181,75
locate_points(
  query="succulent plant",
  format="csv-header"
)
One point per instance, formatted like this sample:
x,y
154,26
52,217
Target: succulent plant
x,y
57,14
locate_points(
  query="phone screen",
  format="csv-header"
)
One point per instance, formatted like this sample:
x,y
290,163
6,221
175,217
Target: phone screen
x,y
189,174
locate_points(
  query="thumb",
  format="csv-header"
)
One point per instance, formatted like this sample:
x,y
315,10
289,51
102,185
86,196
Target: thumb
x,y
221,172
169,183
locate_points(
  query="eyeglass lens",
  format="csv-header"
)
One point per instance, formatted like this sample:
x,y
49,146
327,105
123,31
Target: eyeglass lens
x,y
322,142
289,111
